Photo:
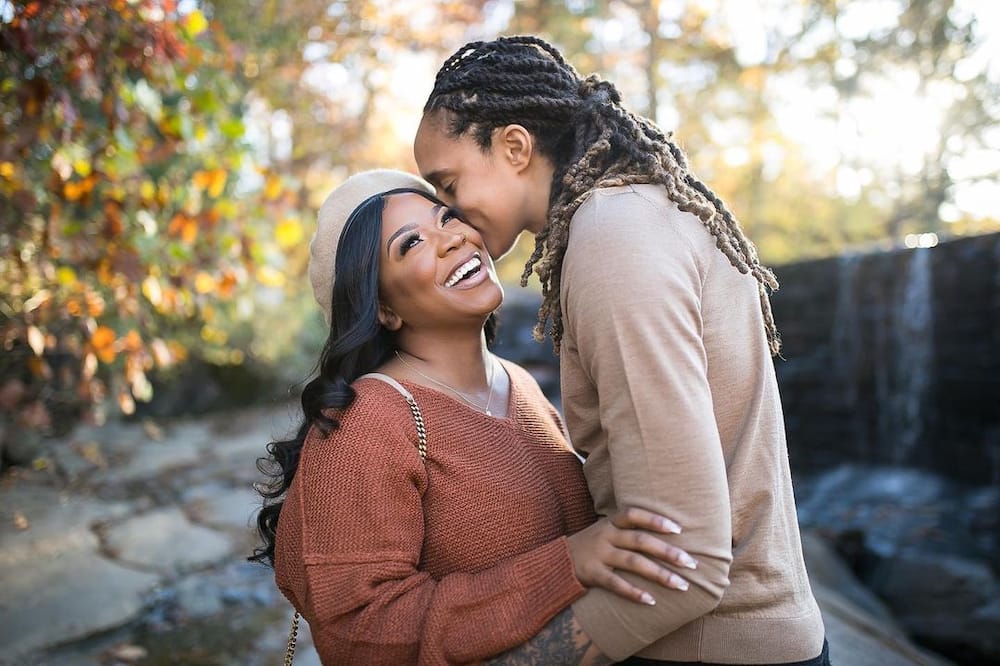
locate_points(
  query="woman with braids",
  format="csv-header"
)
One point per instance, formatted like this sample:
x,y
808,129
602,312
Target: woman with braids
x,y
658,307
458,546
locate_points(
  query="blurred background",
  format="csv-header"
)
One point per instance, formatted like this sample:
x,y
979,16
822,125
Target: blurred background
x,y
161,162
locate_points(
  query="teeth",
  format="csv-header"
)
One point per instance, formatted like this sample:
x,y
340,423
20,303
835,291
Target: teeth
x,y
460,272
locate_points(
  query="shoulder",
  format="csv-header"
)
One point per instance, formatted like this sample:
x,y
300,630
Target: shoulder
x,y
377,424
630,233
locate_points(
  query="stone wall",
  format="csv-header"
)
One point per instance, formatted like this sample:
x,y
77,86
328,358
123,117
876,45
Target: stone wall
x,y
888,358
894,358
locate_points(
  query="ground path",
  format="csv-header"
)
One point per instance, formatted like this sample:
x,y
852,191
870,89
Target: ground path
x,y
129,547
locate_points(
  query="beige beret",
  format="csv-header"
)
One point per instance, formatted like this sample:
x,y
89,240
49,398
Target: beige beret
x,y
333,216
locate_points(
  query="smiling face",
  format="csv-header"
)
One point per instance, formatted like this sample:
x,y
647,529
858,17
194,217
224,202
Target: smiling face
x,y
434,270
501,191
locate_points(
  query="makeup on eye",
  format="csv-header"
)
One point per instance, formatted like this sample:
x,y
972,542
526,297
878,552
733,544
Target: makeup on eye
x,y
409,241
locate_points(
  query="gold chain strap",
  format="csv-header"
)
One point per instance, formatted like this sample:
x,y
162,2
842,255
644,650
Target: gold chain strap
x,y
418,419
293,633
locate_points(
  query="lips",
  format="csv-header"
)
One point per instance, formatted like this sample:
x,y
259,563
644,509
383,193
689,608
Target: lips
x,y
465,270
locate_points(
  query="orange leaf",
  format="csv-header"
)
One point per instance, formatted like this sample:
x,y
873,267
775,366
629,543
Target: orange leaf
x,y
218,182
189,232
132,341
272,188
227,284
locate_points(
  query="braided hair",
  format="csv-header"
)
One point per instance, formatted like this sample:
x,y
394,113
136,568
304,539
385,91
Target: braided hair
x,y
580,125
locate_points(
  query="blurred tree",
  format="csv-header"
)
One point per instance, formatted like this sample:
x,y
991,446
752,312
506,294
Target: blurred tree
x,y
737,81
123,247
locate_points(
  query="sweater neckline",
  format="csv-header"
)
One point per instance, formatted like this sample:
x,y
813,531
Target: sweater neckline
x,y
513,396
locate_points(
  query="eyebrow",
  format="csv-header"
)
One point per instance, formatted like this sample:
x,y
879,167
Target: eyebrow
x,y
434,177
408,227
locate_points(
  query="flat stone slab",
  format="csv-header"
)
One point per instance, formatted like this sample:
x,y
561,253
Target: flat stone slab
x,y
38,522
165,540
149,459
65,597
224,507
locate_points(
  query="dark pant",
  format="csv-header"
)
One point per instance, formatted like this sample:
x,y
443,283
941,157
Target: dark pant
x,y
822,660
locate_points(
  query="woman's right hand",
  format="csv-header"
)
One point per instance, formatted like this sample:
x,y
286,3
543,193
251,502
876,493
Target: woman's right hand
x,y
627,542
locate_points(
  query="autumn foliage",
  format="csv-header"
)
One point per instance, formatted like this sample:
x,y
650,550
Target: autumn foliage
x,y
122,244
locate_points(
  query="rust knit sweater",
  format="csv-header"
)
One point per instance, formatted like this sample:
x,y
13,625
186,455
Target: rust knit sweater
x,y
395,560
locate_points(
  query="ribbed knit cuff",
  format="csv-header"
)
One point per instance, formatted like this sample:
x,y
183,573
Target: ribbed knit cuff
x,y
548,580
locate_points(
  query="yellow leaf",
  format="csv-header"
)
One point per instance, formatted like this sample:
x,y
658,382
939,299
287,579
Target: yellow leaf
x,y
161,353
82,167
126,403
147,189
270,277
36,340
195,23
288,232
7,170
218,182
204,283
211,334
89,367
65,275
151,290
272,189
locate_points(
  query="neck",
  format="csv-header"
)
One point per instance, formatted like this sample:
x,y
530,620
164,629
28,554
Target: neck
x,y
541,173
451,357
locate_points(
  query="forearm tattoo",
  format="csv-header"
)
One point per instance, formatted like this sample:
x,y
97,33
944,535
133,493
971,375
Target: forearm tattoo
x,y
561,643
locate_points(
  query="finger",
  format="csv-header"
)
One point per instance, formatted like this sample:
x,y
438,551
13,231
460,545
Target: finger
x,y
618,585
640,565
643,542
634,517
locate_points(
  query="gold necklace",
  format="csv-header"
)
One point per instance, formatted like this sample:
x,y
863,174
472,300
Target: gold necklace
x,y
460,394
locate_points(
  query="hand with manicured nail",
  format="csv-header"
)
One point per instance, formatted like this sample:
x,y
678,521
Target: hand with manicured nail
x,y
627,542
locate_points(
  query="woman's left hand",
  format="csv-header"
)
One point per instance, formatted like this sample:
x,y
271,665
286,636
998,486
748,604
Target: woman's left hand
x,y
627,542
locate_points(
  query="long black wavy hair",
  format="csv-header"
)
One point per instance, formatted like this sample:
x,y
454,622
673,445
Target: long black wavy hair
x,y
357,344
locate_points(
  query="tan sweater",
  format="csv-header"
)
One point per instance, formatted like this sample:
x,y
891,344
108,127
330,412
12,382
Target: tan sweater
x,y
393,560
669,388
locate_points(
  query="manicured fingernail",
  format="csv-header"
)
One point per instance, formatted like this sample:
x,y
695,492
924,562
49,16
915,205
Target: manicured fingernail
x,y
689,562
681,584
648,599
670,526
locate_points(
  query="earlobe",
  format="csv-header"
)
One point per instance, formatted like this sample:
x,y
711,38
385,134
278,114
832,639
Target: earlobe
x,y
517,145
388,318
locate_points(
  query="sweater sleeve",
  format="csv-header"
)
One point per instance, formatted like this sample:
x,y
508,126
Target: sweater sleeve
x,y
632,303
366,598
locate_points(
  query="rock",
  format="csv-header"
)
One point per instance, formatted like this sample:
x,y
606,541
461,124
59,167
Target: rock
x,y
166,541
944,601
57,523
20,445
195,599
66,596
860,630
223,507
150,459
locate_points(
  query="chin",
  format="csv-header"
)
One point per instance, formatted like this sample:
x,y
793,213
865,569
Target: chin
x,y
499,249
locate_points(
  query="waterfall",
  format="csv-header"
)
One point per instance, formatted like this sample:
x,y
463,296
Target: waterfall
x,y
845,346
912,357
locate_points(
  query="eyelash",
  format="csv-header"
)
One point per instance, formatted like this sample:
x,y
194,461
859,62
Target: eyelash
x,y
410,241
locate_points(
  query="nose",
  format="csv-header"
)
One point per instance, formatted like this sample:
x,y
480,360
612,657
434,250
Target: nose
x,y
451,241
